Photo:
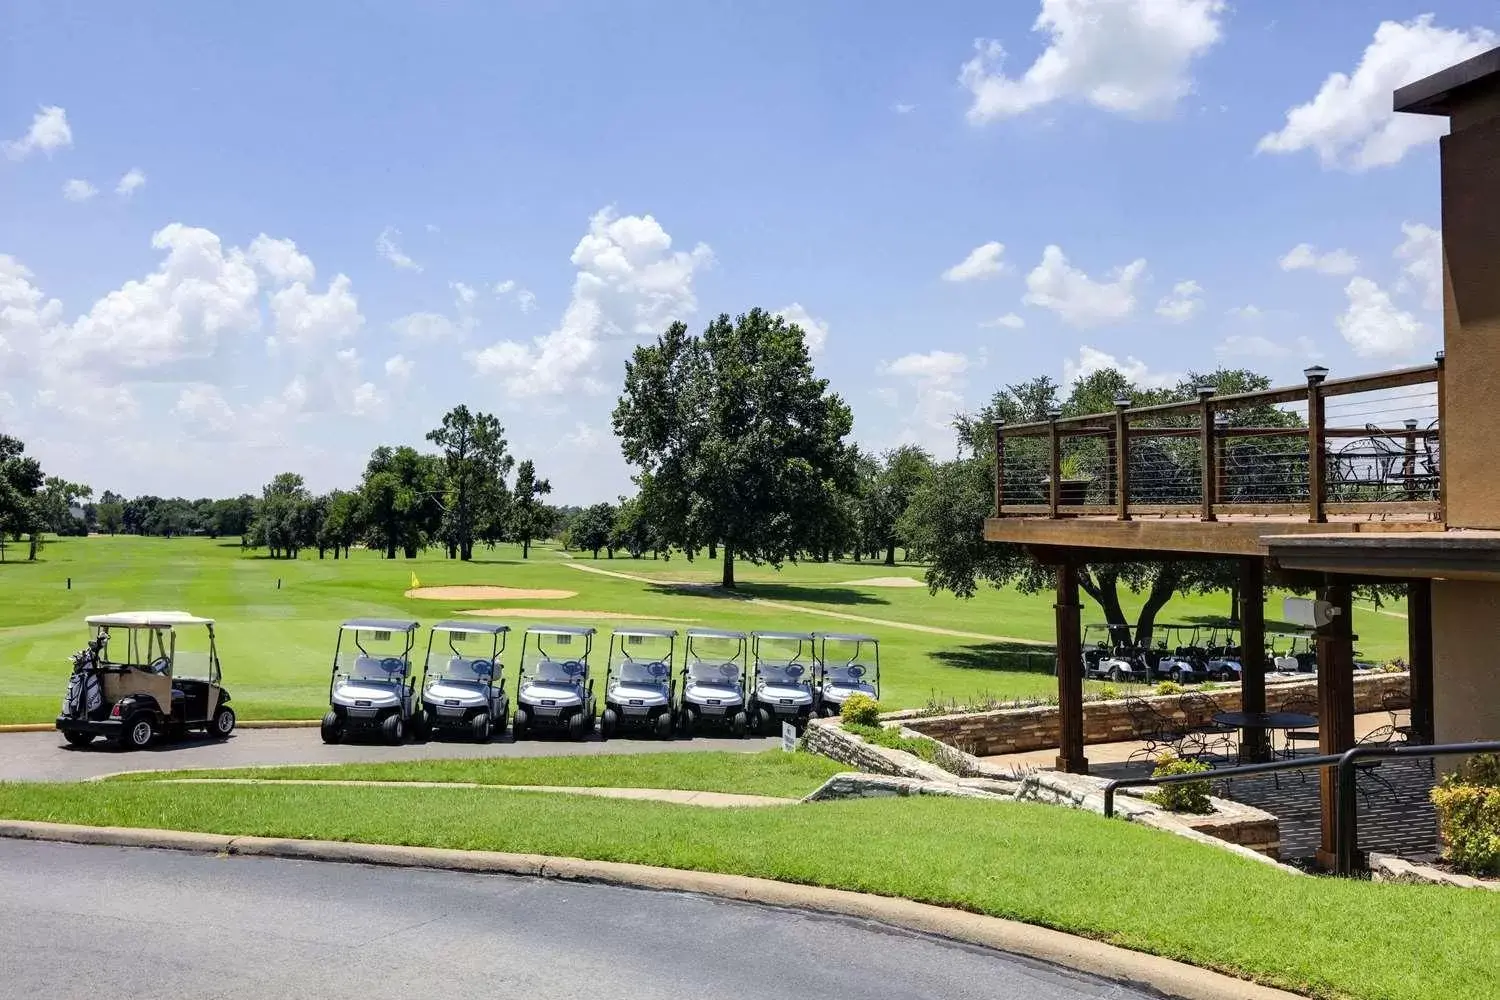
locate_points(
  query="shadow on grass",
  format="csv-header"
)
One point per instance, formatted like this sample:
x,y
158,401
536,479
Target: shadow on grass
x,y
789,593
1012,657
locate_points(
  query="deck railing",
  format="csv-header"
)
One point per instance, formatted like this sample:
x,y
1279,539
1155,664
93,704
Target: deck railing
x,y
1367,446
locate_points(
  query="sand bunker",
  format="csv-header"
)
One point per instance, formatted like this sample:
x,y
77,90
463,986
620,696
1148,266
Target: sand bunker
x,y
884,581
567,613
488,594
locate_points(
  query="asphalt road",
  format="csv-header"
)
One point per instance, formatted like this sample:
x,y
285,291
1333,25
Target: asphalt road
x,y
128,923
45,757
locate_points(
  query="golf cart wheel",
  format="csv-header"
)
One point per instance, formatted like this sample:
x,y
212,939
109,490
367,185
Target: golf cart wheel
x,y
1115,674
763,722
827,710
1175,675
520,724
421,726
223,723
664,724
689,721
1226,675
140,731
576,723
607,723
333,728
78,739
479,727
393,728
740,724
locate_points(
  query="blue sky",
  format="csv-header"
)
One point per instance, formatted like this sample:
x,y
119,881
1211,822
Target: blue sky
x,y
349,218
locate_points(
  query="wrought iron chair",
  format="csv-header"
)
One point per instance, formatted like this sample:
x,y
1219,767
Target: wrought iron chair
x,y
1384,736
1209,737
1155,731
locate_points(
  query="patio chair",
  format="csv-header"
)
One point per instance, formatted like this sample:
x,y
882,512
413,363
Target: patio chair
x,y
1384,736
1208,736
1155,731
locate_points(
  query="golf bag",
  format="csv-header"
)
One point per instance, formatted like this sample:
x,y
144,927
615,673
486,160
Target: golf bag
x,y
85,697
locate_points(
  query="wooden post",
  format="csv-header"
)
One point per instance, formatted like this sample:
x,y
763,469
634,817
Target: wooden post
x,y
1335,707
1122,458
1419,642
999,465
1253,745
1054,479
1442,382
1316,459
1409,460
1206,450
1070,756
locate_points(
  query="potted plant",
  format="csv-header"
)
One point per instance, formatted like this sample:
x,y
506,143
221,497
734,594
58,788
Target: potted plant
x,y
1072,485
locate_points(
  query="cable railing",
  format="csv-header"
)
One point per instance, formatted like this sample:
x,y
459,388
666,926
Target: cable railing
x,y
1368,446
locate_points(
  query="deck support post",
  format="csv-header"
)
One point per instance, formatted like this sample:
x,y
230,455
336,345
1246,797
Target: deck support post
x,y
1335,709
1070,756
1419,641
1254,746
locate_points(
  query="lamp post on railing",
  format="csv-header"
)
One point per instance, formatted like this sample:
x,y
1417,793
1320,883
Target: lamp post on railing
x,y
1054,485
1122,457
1206,447
999,464
1316,459
1221,454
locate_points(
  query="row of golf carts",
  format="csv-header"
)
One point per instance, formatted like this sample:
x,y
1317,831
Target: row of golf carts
x,y
736,682
1186,654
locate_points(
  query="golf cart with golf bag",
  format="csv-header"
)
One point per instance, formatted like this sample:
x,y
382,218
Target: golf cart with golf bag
x,y
371,691
1103,659
1223,655
128,683
1293,654
784,676
713,681
639,689
463,681
554,691
1178,657
845,661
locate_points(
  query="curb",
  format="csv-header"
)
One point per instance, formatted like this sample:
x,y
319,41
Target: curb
x,y
1096,958
48,727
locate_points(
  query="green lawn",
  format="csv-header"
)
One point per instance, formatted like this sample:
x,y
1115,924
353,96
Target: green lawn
x,y
277,641
774,772
1071,870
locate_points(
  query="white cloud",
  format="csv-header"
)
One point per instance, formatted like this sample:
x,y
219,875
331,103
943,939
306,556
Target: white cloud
x,y
1091,360
280,260
427,326
583,437
902,108
133,179
1304,257
305,318
78,190
505,287
387,247
463,295
1250,312
1422,270
1349,122
816,330
982,262
27,317
1010,321
524,299
398,368
1078,299
1252,345
629,282
1184,302
1373,325
49,131
937,380
1125,56
89,401
204,405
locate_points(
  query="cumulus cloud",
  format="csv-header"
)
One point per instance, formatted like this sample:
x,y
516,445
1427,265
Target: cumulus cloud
x,y
280,260
304,318
427,326
902,108
629,282
1349,122
509,289
134,179
1129,57
387,247
398,368
1253,345
1182,304
816,330
1091,360
1010,321
1421,254
1305,257
463,295
982,262
1078,299
204,405
78,190
49,131
1374,326
936,381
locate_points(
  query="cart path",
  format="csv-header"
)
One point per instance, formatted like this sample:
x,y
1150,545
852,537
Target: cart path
x,y
804,609
45,757
1379,611
679,796
134,923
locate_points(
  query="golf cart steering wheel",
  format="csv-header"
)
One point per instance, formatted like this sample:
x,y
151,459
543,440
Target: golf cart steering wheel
x,y
794,670
855,671
482,668
728,670
573,668
159,665
658,669
391,664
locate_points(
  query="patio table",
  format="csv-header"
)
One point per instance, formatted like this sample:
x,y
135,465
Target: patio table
x,y
1265,721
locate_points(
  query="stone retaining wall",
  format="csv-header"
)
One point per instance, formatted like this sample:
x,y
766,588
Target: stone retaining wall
x,y
1016,730
875,786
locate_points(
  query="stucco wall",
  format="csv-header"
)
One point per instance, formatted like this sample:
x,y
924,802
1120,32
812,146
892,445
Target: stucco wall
x,y
1466,660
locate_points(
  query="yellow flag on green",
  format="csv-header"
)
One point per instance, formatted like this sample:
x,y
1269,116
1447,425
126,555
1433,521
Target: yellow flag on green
x,y
415,583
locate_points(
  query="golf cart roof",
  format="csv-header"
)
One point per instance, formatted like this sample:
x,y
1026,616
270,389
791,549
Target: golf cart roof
x,y
561,629
845,636
713,633
655,633
379,625
789,636
146,619
486,628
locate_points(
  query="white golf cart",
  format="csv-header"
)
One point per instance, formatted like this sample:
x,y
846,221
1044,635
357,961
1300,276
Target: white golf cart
x,y
371,689
1224,655
785,668
1178,657
845,662
554,690
128,684
1105,660
713,681
639,687
463,681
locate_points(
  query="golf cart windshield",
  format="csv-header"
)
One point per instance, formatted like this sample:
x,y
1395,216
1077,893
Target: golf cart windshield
x,y
715,657
148,648
850,659
642,656
464,654
557,655
373,653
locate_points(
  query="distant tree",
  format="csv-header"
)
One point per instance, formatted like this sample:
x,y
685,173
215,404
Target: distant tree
x,y
342,522
529,517
593,529
281,517
399,497
111,513
22,509
475,464
742,443
58,498
231,517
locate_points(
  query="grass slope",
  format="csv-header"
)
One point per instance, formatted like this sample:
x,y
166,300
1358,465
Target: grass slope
x,y
774,772
277,641
1070,870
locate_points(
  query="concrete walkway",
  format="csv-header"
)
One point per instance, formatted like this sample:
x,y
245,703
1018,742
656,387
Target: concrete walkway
x,y
679,796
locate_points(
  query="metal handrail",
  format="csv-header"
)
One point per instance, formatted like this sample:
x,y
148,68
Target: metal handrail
x,y
1346,805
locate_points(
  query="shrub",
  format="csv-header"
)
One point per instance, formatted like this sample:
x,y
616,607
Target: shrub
x,y
1169,687
1108,693
861,710
892,739
1468,809
1186,797
1396,666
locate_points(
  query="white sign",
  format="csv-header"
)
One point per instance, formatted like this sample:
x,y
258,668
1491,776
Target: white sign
x,y
788,737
